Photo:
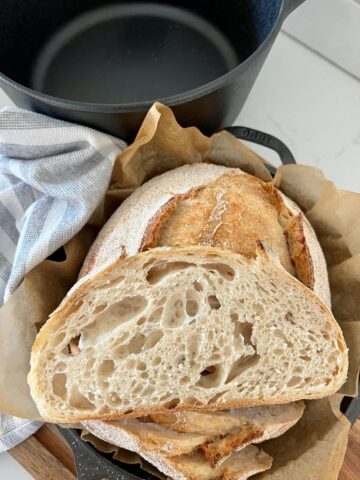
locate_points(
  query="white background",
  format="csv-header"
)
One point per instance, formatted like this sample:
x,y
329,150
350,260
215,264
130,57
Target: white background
x,y
308,94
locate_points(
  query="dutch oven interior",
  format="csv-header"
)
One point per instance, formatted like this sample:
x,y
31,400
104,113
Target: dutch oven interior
x,y
126,52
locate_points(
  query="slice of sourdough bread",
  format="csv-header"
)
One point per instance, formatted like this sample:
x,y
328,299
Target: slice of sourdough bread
x,y
232,430
193,466
216,206
188,329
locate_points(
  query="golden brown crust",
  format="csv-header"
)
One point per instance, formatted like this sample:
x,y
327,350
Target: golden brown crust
x,y
231,213
216,455
299,251
252,210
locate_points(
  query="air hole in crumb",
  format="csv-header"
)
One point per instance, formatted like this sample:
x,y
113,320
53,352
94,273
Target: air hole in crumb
x,y
78,400
133,346
278,352
234,317
241,365
106,368
172,404
157,273
156,361
210,377
245,329
131,363
99,309
73,346
223,270
297,370
305,358
60,366
208,371
141,321
185,380
214,302
197,286
90,363
279,334
153,339
124,310
113,398
155,317
295,380
216,357
105,384
149,390
216,397
137,389
192,308
59,385
258,309
289,317
141,366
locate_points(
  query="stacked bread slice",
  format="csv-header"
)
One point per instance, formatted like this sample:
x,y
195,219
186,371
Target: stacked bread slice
x,y
206,291
194,445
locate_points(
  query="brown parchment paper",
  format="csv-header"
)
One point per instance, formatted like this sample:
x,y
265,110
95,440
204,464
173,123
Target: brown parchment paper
x,y
20,318
314,448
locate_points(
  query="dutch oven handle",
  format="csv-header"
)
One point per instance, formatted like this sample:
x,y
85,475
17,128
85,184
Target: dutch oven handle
x,y
266,140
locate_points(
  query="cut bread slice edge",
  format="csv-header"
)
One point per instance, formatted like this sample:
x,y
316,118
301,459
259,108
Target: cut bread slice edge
x,y
59,380
232,430
194,466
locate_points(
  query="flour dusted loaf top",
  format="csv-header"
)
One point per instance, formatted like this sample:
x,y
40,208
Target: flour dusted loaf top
x,y
194,328
215,206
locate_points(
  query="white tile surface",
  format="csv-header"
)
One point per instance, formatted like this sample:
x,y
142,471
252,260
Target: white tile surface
x,y
312,106
11,470
332,28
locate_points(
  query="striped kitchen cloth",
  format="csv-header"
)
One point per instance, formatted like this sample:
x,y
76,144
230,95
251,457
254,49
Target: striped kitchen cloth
x,y
53,174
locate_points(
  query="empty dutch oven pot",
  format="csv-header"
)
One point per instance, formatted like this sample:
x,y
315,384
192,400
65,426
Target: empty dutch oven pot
x,y
103,63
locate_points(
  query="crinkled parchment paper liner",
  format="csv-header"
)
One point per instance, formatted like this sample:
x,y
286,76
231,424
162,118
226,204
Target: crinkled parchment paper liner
x,y
27,309
314,448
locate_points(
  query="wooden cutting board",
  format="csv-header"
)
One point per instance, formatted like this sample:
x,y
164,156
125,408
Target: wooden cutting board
x,y
46,456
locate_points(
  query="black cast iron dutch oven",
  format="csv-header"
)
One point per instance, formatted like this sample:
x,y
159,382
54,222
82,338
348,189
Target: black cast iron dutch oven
x,y
104,62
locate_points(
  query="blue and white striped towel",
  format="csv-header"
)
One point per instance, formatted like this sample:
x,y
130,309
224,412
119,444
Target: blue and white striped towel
x,y
53,174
